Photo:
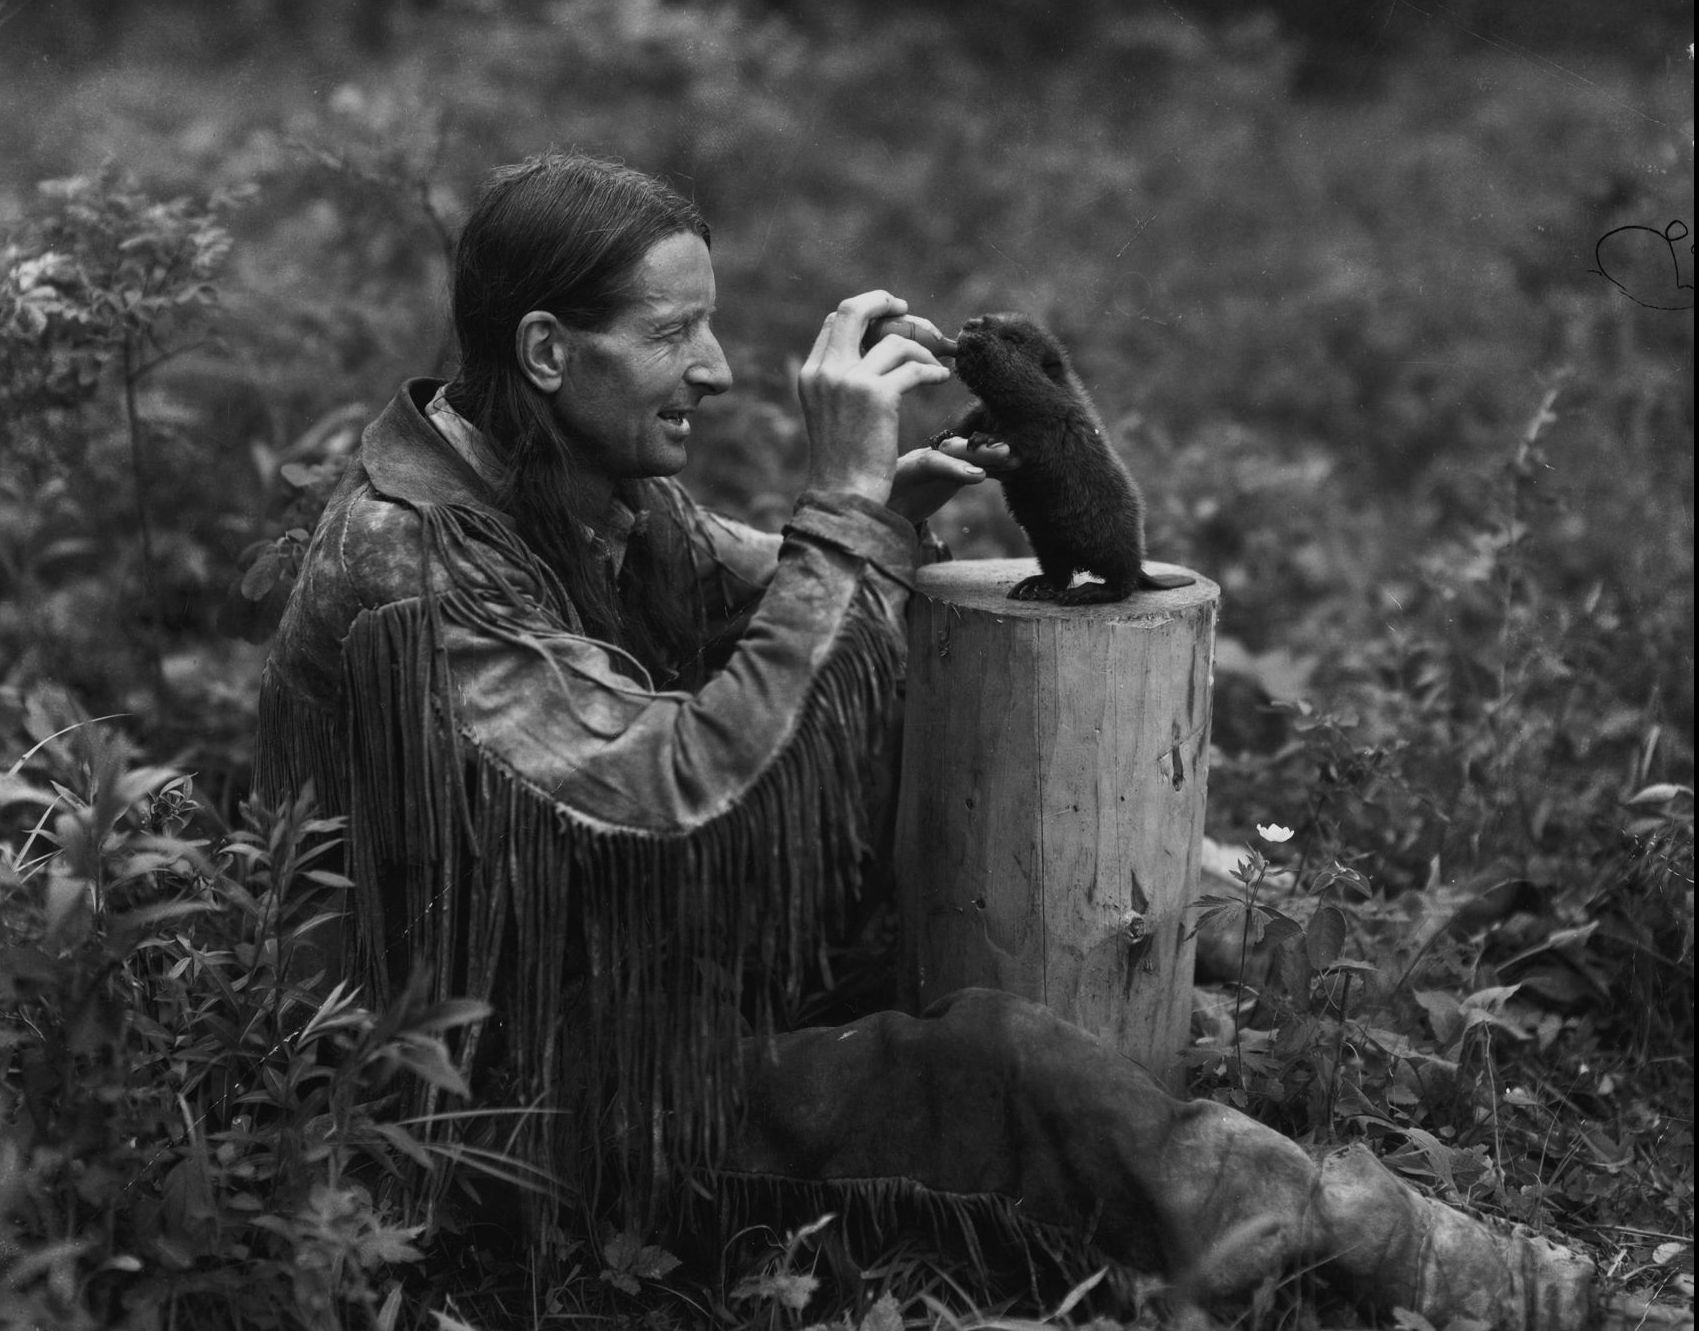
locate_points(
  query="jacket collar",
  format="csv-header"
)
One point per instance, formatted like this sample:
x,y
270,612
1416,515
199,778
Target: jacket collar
x,y
408,460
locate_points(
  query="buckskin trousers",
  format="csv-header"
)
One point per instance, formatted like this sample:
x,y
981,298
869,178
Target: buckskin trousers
x,y
987,1097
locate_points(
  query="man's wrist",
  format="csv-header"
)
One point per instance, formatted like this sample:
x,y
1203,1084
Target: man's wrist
x,y
859,526
870,486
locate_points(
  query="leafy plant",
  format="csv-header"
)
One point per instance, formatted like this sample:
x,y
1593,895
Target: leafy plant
x,y
306,474
1457,1019
101,288
191,1123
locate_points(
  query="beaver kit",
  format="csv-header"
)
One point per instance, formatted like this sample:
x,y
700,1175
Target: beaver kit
x,y
1072,495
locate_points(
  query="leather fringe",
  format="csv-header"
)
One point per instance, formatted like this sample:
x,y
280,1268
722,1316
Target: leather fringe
x,y
1001,1250
487,881
300,748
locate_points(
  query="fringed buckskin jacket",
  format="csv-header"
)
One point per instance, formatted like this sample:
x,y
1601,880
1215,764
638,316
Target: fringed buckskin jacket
x,y
533,821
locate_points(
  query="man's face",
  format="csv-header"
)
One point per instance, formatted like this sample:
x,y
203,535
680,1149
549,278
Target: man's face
x,y
628,390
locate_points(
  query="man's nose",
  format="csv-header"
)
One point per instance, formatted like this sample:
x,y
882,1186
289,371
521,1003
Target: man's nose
x,y
709,370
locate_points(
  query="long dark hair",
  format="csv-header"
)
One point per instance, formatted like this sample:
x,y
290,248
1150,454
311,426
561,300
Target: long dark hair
x,y
563,233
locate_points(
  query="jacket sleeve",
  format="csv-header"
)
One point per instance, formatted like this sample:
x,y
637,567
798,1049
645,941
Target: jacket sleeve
x,y
567,718
728,563
734,560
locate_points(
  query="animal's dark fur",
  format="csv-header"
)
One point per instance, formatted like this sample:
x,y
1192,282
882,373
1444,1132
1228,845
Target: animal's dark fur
x,y
1074,498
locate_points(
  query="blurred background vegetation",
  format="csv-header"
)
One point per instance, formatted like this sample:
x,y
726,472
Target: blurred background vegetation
x,y
1318,262
1329,269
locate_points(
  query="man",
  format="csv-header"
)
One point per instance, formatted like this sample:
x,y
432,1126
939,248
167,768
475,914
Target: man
x,y
604,757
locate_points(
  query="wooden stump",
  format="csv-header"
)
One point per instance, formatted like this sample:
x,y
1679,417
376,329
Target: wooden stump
x,y
1051,808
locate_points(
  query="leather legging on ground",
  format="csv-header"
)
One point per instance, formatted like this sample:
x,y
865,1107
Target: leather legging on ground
x,y
987,1094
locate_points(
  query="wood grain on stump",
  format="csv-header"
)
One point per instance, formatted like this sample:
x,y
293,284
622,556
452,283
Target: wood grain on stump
x,y
1052,799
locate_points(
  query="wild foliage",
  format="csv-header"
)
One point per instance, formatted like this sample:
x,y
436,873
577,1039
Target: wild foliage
x,y
1482,927
1351,345
199,1130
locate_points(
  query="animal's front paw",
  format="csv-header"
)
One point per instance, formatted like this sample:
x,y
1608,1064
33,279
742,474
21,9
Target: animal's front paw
x,y
1092,593
1036,588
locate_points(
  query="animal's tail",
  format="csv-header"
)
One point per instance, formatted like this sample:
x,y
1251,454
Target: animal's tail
x,y
1162,582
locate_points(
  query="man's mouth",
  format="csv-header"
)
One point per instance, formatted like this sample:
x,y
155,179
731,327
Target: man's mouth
x,y
677,417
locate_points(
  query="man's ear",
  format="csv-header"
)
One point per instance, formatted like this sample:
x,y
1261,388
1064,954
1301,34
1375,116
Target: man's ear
x,y
544,347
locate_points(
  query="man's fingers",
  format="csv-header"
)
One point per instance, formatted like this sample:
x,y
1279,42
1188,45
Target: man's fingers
x,y
822,344
992,457
944,465
913,328
915,373
925,480
890,352
861,324
847,325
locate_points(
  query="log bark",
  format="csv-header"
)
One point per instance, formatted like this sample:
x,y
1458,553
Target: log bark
x,y
1050,815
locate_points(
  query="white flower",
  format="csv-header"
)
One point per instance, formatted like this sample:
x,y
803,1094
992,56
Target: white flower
x,y
1274,832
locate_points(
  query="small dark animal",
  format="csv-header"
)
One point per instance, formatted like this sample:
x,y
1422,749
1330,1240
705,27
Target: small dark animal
x,y
1074,498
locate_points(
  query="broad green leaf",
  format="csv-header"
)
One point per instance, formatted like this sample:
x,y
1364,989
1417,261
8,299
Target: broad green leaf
x,y
1277,926
654,1263
1491,999
1325,936
385,1244
261,576
1445,1014
790,1290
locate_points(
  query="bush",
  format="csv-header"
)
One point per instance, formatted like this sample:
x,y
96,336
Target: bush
x,y
194,1126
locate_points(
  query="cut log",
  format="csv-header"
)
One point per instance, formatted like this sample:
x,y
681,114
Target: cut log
x,y
1051,808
